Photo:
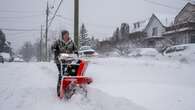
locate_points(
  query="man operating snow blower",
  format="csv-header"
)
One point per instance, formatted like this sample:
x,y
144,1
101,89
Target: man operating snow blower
x,y
71,69
63,45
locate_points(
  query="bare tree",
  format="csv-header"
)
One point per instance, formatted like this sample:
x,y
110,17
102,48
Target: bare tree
x,y
124,48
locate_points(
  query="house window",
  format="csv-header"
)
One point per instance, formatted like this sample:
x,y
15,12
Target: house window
x,y
192,39
151,43
154,31
136,25
173,40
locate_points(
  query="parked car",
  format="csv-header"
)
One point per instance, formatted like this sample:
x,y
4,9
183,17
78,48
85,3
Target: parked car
x,y
6,56
186,51
17,59
1,59
149,52
87,51
180,50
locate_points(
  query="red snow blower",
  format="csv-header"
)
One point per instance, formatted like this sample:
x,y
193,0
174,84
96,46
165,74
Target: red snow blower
x,y
72,76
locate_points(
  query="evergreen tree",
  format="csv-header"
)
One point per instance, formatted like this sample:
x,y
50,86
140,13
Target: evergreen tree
x,y
2,40
5,46
94,43
84,40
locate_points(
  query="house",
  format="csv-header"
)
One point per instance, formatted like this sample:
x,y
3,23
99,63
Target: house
x,y
151,32
187,14
183,29
104,46
154,28
164,30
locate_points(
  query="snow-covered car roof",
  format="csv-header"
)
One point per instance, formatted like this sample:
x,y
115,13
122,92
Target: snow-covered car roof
x,y
144,52
184,53
190,45
5,55
17,59
148,51
86,48
188,48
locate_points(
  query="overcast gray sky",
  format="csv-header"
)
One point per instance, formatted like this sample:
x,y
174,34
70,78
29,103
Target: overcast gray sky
x,y
101,17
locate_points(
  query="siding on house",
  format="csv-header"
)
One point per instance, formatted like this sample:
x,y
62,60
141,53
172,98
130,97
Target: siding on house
x,y
192,37
183,30
187,14
154,25
179,38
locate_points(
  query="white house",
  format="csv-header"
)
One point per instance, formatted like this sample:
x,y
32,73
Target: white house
x,y
154,31
154,28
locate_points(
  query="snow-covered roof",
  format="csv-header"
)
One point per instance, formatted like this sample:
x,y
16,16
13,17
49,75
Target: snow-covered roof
x,y
142,25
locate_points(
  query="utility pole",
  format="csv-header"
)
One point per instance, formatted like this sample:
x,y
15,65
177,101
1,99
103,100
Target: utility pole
x,y
41,44
76,22
49,59
46,30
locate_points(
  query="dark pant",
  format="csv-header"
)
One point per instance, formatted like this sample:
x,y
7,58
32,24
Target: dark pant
x,y
59,68
59,77
58,84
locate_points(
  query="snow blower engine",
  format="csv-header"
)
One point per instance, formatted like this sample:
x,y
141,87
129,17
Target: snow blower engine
x,y
72,76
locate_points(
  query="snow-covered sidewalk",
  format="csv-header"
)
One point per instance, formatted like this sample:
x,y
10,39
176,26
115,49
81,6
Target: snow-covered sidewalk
x,y
32,86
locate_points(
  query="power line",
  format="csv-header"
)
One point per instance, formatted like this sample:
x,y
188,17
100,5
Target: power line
x,y
14,32
21,34
65,18
55,13
19,11
15,29
54,1
160,4
91,24
100,25
19,17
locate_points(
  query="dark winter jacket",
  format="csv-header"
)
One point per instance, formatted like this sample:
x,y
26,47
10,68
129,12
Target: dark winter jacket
x,y
60,46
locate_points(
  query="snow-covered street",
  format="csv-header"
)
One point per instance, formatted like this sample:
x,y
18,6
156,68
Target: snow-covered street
x,y
119,84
